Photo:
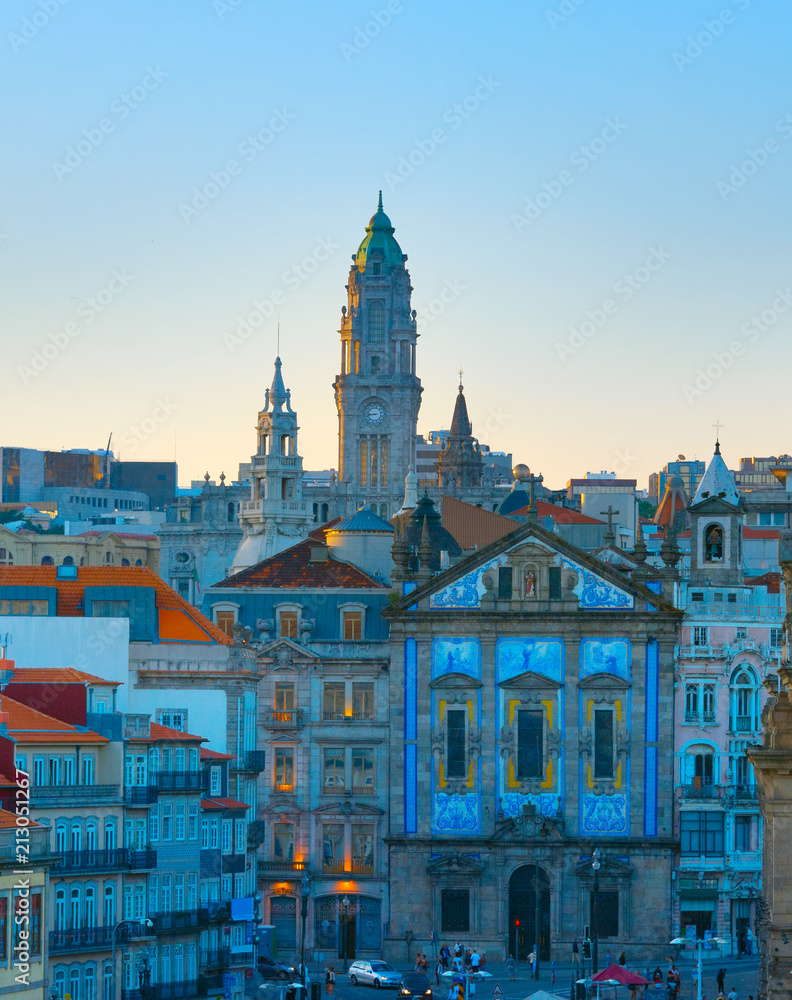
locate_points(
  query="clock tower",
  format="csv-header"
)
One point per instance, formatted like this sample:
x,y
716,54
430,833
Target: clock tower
x,y
377,393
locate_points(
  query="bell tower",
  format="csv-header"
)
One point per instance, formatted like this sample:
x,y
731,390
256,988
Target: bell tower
x,y
716,522
377,393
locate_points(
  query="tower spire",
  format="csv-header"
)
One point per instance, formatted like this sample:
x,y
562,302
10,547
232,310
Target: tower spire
x,y
379,203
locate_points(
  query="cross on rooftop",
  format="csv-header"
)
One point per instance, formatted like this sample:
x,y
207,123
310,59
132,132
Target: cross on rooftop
x,y
717,425
609,513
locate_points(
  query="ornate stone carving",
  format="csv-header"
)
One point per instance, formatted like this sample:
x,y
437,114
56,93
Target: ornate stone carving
x,y
455,864
530,824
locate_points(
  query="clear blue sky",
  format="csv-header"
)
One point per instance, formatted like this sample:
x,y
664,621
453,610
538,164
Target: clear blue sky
x,y
603,143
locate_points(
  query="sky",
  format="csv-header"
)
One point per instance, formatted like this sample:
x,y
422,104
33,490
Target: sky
x,y
594,198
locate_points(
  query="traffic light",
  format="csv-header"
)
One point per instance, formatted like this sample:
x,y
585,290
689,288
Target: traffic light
x,y
516,923
587,949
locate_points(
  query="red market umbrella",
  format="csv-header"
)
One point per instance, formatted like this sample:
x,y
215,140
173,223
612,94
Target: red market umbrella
x,y
619,974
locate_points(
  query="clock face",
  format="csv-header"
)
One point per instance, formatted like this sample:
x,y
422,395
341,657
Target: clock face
x,y
375,414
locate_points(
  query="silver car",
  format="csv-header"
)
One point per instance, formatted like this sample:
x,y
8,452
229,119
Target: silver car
x,y
375,973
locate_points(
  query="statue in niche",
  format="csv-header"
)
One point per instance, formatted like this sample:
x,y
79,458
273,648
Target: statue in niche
x,y
530,585
713,543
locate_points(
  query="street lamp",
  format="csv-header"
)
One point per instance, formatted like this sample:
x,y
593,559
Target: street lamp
x,y
537,929
346,903
699,942
305,892
122,923
596,864
144,972
54,992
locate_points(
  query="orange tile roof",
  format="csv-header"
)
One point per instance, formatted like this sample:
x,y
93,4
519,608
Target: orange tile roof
x,y
159,732
6,782
760,532
473,526
223,804
27,725
207,754
8,819
770,580
62,675
71,593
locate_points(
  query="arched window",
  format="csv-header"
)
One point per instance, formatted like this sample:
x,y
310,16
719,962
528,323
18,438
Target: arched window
x,y
74,982
108,557
60,910
138,562
325,509
744,700
700,766
61,837
60,981
68,561
90,836
230,513
90,982
713,543
376,322
110,835
47,561
109,905
74,907
76,837
125,562
316,512
90,906
107,983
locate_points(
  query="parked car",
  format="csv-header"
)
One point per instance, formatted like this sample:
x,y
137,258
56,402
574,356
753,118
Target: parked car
x,y
415,985
270,969
374,973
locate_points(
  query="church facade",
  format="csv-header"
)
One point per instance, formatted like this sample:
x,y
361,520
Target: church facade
x,y
527,687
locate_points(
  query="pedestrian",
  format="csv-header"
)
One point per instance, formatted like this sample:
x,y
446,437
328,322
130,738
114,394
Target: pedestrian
x,y
475,959
330,980
532,964
483,960
622,959
608,959
458,949
511,965
445,954
458,963
733,994
749,939
438,971
575,953
721,977
552,974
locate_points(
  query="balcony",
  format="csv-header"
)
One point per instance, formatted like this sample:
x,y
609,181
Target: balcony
x,y
276,718
331,866
81,939
252,760
186,989
283,788
744,724
743,793
217,958
181,920
280,867
706,719
705,792
49,796
140,795
118,859
179,781
360,867
362,789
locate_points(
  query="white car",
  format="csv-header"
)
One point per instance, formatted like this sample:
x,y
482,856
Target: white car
x,y
375,973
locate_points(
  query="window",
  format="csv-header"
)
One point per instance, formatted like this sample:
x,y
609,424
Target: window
x,y
227,832
776,638
742,833
701,833
362,849
35,923
23,607
193,759
742,772
154,825
697,596
603,743
505,574
39,771
376,322
239,891
700,636
456,756
353,625
69,770
110,835
607,920
713,543
455,910
3,928
362,771
192,891
334,698
284,769
283,842
20,763
174,719
333,847
363,700
708,703
180,758
88,770
153,760
110,609
287,623
204,834
239,836
334,770
703,769
691,702
741,633
214,780
284,696
225,621
192,823
180,826
731,598
54,770
744,701
178,893
166,894
530,745
167,822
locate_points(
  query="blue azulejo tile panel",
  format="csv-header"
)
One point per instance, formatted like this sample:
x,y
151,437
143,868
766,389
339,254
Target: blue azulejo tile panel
x,y
605,656
411,788
652,689
593,591
410,689
604,814
547,804
650,792
455,813
541,656
466,592
456,656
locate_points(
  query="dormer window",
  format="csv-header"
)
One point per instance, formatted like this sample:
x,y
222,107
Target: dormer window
x,y
288,623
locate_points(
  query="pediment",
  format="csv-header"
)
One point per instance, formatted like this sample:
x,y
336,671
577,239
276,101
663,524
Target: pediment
x,y
610,866
280,805
285,654
602,681
345,807
455,682
455,864
530,681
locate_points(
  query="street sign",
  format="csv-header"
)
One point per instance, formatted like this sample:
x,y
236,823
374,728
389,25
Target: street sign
x,y
497,991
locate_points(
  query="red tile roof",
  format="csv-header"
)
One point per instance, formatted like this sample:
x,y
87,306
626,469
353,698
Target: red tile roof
x,y
118,534
561,515
760,532
473,526
8,819
26,725
207,754
159,732
770,580
71,593
293,568
223,804
58,675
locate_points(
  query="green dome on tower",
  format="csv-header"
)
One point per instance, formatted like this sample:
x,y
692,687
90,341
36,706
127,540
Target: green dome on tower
x,y
379,240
